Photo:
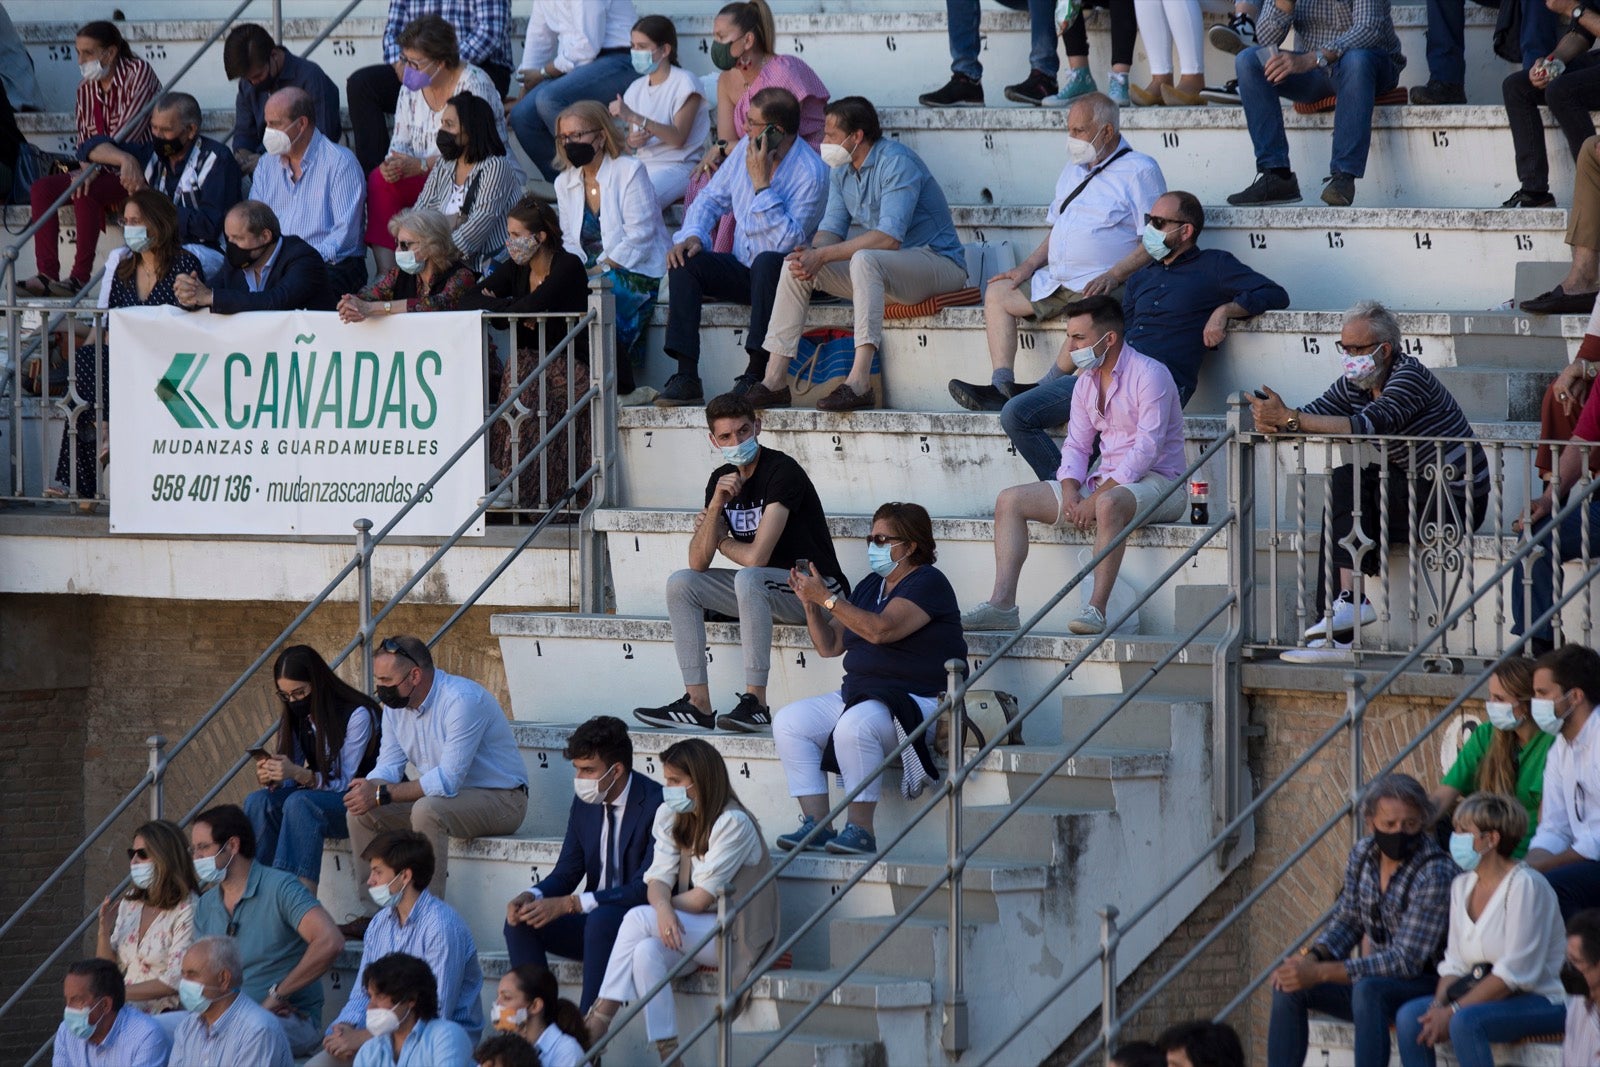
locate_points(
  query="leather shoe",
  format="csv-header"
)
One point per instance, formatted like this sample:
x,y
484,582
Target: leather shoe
x,y
759,396
1559,302
1012,390
845,398
976,397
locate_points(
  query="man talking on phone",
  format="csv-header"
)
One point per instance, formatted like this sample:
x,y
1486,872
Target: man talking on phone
x,y
763,515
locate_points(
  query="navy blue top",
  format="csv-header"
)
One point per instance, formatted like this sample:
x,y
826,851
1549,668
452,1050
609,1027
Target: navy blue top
x,y
1167,305
250,106
915,663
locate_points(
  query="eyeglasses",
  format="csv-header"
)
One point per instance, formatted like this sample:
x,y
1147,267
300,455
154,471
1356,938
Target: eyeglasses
x,y
138,854
417,64
1356,350
1160,223
394,648
581,135
298,694
883,539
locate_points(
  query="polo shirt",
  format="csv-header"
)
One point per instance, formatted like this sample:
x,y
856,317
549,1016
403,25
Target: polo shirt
x,y
266,924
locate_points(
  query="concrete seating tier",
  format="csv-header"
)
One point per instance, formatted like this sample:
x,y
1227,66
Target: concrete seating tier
x,y
1333,1044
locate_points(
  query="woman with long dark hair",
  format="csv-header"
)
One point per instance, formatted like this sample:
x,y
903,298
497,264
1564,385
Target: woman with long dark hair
x,y
528,1003
702,821
328,735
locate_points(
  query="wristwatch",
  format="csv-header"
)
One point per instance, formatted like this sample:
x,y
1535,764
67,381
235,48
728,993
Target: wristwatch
x,y
1322,60
1292,423
1577,13
382,795
387,304
831,601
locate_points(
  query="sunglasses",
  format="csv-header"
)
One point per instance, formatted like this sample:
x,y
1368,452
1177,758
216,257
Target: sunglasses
x,y
1160,223
404,246
882,539
138,854
394,648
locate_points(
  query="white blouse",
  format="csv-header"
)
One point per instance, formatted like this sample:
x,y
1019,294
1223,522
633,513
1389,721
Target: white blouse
x,y
632,234
661,103
1520,931
734,843
416,125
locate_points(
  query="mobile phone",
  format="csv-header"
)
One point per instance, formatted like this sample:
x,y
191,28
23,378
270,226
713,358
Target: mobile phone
x,y
1260,395
804,567
258,753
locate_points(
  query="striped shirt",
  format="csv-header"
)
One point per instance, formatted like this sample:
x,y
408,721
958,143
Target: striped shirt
x,y
436,934
780,218
491,188
482,27
101,111
1411,403
134,1040
1336,25
1406,925
326,208
246,1033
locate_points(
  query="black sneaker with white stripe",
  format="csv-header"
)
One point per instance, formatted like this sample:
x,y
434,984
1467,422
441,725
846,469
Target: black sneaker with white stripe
x,y
680,712
749,716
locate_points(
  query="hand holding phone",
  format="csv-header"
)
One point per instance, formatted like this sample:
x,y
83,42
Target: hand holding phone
x,y
258,753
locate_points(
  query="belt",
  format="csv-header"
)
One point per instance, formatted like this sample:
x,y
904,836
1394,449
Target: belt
x,y
524,789
617,51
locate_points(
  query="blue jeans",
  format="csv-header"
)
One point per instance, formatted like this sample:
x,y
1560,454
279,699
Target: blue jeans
x,y
576,937
290,825
1028,418
1475,1026
1577,886
965,43
1447,36
533,120
1370,1003
1356,77
1544,568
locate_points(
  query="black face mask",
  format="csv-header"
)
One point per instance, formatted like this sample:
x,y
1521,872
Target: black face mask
x,y
168,147
389,696
580,153
450,147
1397,844
240,258
1573,982
299,708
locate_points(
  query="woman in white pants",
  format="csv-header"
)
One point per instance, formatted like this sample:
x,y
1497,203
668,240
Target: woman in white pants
x,y
707,844
1161,22
896,631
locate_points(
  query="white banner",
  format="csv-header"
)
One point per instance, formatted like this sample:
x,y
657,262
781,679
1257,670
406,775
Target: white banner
x,y
292,422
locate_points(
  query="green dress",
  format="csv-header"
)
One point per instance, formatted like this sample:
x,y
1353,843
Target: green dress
x,y
1463,774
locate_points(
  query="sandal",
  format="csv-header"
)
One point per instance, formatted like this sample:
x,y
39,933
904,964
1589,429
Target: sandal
x,y
69,288
38,285
55,492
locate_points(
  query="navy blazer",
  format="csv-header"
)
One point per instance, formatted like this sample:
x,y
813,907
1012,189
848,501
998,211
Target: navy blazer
x,y
298,279
580,852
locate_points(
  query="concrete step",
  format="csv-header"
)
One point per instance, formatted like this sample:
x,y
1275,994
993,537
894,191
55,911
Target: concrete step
x,y
1333,1044
1330,257
921,355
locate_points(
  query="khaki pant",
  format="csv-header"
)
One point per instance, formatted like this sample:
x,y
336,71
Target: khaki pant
x,y
470,813
1583,221
906,275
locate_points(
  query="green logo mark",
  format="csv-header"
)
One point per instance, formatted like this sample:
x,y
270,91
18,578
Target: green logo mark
x,y
175,391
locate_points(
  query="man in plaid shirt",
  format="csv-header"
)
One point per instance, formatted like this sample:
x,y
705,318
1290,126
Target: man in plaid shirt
x,y
1394,906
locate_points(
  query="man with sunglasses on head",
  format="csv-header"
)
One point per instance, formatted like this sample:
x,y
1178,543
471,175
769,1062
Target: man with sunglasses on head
x,y
1394,906
471,780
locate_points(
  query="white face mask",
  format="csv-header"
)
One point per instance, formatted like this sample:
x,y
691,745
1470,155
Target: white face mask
x,y
207,871
384,895
381,1022
1503,715
1085,358
92,71
276,142
592,790
834,155
142,874
1082,152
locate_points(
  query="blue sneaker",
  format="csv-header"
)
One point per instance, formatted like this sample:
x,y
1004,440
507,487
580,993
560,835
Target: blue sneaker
x,y
854,841
1078,83
789,842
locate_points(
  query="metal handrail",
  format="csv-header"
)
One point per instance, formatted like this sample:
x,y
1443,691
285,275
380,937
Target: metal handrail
x,y
591,321
1350,719
956,775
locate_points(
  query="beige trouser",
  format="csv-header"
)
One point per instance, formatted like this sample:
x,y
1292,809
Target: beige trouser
x,y
905,275
470,813
1583,221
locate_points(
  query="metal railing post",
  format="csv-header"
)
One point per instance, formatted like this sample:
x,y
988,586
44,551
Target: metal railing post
x,y
603,355
1356,708
1227,683
277,21
155,743
954,1034
724,984
1110,1026
364,580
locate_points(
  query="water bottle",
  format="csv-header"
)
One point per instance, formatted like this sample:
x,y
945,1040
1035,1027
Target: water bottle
x,y
1199,508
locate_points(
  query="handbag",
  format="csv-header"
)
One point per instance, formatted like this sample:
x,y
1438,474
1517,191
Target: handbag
x,y
823,363
1467,982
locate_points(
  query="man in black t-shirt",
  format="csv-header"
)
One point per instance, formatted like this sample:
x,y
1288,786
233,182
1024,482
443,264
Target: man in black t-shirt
x,y
762,513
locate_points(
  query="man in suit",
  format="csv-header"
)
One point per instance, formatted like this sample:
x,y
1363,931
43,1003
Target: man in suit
x,y
608,848
266,271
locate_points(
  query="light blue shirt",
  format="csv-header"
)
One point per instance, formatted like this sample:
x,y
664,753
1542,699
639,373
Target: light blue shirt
x,y
892,193
780,218
431,1043
266,923
326,208
134,1040
257,282
437,935
458,739
247,1035
557,1048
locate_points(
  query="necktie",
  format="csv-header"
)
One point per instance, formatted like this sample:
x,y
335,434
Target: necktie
x,y
610,879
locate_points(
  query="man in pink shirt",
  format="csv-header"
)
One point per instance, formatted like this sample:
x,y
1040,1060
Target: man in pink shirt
x,y
1128,401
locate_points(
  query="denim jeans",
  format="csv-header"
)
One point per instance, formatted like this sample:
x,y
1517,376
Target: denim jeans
x,y
965,41
1356,77
1027,419
1370,1003
1567,543
290,824
1475,1026
1447,36
1577,886
533,120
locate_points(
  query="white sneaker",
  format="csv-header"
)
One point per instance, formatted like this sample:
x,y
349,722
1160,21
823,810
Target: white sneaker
x,y
1344,618
988,617
1089,621
1320,651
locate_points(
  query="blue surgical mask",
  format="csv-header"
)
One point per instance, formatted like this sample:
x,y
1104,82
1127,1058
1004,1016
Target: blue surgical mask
x,y
742,453
1155,242
1462,851
77,1020
136,237
677,798
881,559
207,871
1544,715
1502,715
407,261
142,874
644,60
1085,358
383,895
192,995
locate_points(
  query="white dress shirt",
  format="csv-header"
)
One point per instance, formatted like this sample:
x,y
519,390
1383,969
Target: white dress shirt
x,y
1519,931
631,231
458,739
1569,814
619,805
734,843
571,32
1581,1045
1102,224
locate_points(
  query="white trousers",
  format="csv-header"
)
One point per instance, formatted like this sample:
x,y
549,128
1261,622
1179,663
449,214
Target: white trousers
x,y
1162,20
639,960
862,736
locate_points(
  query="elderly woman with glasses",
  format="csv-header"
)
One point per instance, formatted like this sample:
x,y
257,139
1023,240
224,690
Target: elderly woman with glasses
x,y
428,276
896,630
146,931
610,219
